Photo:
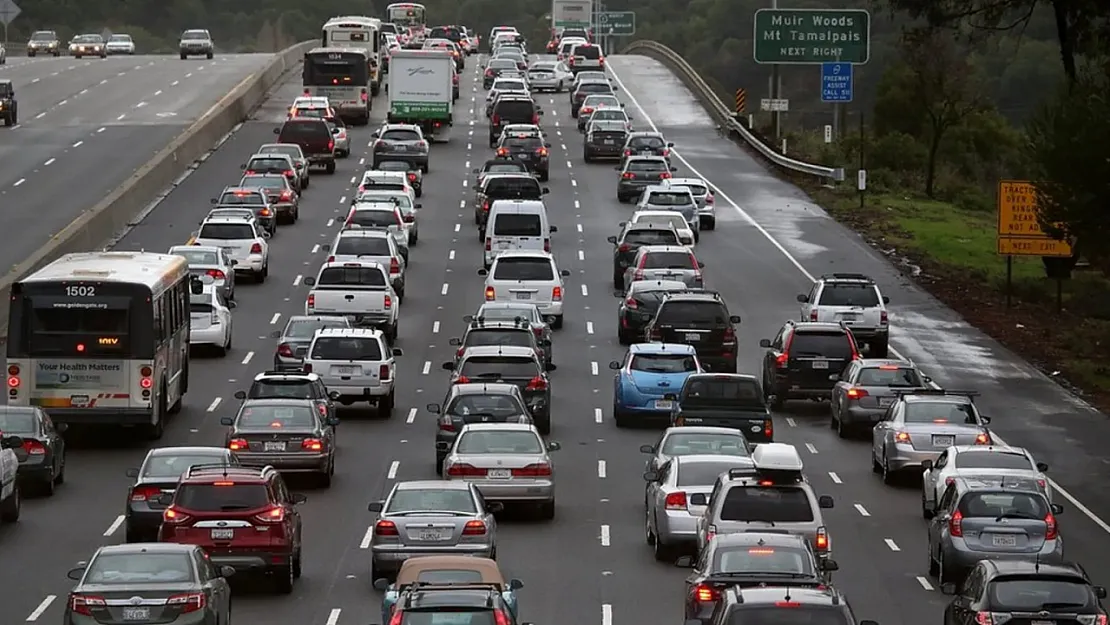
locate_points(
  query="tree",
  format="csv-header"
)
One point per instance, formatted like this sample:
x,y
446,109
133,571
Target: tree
x,y
944,86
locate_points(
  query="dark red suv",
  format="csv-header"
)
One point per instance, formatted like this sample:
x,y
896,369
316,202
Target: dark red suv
x,y
244,517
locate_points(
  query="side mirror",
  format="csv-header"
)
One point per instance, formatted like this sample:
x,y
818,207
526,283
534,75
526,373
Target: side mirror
x,y
228,421
243,166
231,305
1100,591
651,476
886,300
495,507
834,377
699,499
213,201
309,281
332,421
927,465
684,562
1057,509
550,319
545,191
926,379
132,473
565,273
468,318
418,205
76,573
734,319
616,168
476,171
647,449
448,366
227,571
828,565
984,418
825,502
12,442
612,240
277,131
297,499
670,396
454,341
948,589
276,334
550,367
240,395
674,169
376,133
515,584
554,446
553,229
803,298
443,446
381,584
701,265
615,365
765,343
483,272
334,131
670,145
334,395
1042,467
376,506
433,408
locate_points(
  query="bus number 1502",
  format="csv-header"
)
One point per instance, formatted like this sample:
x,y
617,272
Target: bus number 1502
x,y
81,291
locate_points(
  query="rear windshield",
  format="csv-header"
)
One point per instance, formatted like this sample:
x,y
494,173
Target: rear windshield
x,y
383,185
665,198
510,85
18,421
268,163
848,294
650,299
505,168
994,505
262,182
651,237
646,142
992,460
372,218
226,232
687,443
496,64
364,276
516,109
195,34
513,188
890,376
501,406
523,142
223,497
601,100
517,225
938,412
703,473
763,559
362,246
293,152
346,348
777,504
173,465
294,388
1031,595
589,52
804,615
400,135
608,134
527,269
692,312
277,417
449,576
431,500
829,344
499,442
241,198
493,367
595,87
394,166
668,260
664,363
608,114
495,336
696,189
708,391
306,328
305,129
140,568
649,165
198,258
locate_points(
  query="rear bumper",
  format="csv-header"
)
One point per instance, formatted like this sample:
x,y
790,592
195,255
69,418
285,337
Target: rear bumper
x,y
213,335
385,556
255,562
349,392
101,416
858,415
286,462
904,457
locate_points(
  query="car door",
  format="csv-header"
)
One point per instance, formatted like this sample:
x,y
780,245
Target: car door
x,y
880,431
773,352
656,494
931,478
653,462
940,520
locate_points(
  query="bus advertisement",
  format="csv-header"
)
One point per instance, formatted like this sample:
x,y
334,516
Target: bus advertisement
x,y
342,75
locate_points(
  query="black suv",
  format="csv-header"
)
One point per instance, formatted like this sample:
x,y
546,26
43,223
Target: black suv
x,y
528,149
761,604
9,108
638,306
1024,591
804,360
504,187
604,140
291,385
314,136
512,109
698,318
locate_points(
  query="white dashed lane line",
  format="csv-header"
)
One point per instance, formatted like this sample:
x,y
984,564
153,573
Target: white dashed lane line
x,y
597,415
427,367
862,511
890,543
42,607
412,415
215,404
275,318
835,478
392,475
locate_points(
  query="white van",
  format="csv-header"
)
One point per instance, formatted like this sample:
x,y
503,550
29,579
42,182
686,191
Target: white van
x,y
517,225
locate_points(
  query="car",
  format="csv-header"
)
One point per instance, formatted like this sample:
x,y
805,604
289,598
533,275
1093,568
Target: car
x,y
294,339
279,163
565,45
1008,588
451,603
750,560
290,435
158,474
292,385
484,454
587,88
162,583
631,238
665,262
120,43
663,197
243,239
88,45
704,196
285,202
694,439
512,109
510,332
699,318
211,264
586,57
520,366
866,388
647,373
687,236
404,142
503,186
382,213
196,42
232,212
371,245
244,499
317,107
599,101
342,137
920,424
10,489
728,400
590,76
511,311
42,454
409,234
263,212
638,304
446,569
475,402
294,152
413,172
604,140
380,180
356,364
44,42
530,130
645,143
431,517
605,114
210,320
669,512
494,68
530,150
553,76
637,173
855,300
515,55
976,460
1000,518
315,138
498,165
803,359
505,85
9,106
742,604
527,275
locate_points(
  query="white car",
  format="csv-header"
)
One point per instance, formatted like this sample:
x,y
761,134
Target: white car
x,y
527,276
685,233
355,245
210,320
566,46
243,240
550,76
505,85
978,461
120,44
383,180
370,211
408,208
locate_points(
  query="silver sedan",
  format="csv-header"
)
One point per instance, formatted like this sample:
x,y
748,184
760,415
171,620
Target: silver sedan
x,y
211,264
508,462
432,517
919,427
695,440
551,76
665,262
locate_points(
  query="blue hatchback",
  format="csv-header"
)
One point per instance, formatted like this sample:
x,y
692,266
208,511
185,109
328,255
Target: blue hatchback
x,y
648,372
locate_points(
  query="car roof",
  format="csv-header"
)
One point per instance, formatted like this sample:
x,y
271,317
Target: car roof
x,y
657,285
702,429
268,375
422,484
663,249
196,248
662,348
772,539
525,254
685,181
483,388
371,233
991,449
724,376
226,219
126,548
1035,567
870,363
188,449
275,401
499,350
911,398
825,595
711,459
515,427
804,327
987,482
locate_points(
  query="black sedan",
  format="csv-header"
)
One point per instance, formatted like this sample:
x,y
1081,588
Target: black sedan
x,y
290,435
42,457
159,474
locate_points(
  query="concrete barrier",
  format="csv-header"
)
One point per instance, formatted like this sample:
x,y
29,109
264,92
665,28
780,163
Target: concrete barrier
x,y
96,226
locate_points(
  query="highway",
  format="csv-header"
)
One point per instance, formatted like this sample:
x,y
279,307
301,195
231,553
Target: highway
x,y
86,125
591,564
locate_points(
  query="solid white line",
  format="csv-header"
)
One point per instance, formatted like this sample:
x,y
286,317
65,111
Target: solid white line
x,y
890,543
392,475
215,404
427,367
585,291
924,583
835,478
247,358
49,161
593,367
114,526
333,616
435,328
604,535
597,415
810,448
862,511
606,614
443,291
412,415
275,318
366,538
34,616
589,327
601,469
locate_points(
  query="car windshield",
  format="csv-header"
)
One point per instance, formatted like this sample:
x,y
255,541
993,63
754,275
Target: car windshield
x,y
306,328
18,420
938,412
276,417
827,344
777,504
373,218
704,473
1003,504
523,269
499,336
363,276
346,348
139,568
262,182
226,232
499,442
43,36
198,257
168,465
849,294
509,313
267,164
431,500
279,388
223,495
665,198
664,363
762,559
1034,594
993,460
494,367
646,143
394,166
501,406
362,246
890,376
651,237
502,167
195,34
695,312
120,38
803,615
668,260
688,443
601,100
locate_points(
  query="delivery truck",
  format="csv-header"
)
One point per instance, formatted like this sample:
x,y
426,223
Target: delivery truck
x,y
420,89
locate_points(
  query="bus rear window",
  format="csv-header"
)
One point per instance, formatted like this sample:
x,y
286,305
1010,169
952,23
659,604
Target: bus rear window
x,y
77,328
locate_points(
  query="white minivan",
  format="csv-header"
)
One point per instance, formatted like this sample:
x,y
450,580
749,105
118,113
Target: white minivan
x,y
517,225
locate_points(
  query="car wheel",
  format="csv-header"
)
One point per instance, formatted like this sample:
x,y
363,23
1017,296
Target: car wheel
x,y
547,510
11,507
385,407
283,578
888,475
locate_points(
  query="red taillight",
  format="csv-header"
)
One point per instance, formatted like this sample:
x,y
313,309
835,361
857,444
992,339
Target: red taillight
x,y
172,515
676,501
238,444
1050,532
489,244
216,273
884,319
631,303
813,315
902,437
312,444
628,175
274,514
782,360
586,110
145,493
286,195
705,594
331,144
474,528
539,469
537,383
547,245
364,96
256,248
495,120
542,151
386,528
446,424
628,152
385,373
489,72
465,470
536,118
557,294
491,294
288,173
769,429
665,175
856,393
730,336
948,481
502,151
249,172
311,300
85,604
331,259
33,447
388,302
189,602
601,62
956,524
412,177
624,247
982,438
1042,484
13,376
394,266
462,380
666,151
822,539
709,199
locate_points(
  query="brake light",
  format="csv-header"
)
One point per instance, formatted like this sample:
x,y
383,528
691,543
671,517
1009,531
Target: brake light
x,y
189,602
542,151
288,173
85,604
172,515
730,336
446,424
956,524
628,175
586,110
275,514
813,315
465,470
666,152
311,300
394,266
489,72
536,118
982,438
768,429
547,245
145,493
146,374
495,120
557,294
331,259
388,302
412,177
312,444
364,96
665,175
948,481
781,360
1050,532
705,594
1042,484
385,373
386,528
624,247
631,303
33,447
822,539
238,444
491,294
489,244
485,206
856,393
883,318
13,377
538,383
601,61
216,273
628,152
462,380
901,437
676,501
286,195
502,151
249,172
708,198
331,144
694,264
256,248
638,275
475,528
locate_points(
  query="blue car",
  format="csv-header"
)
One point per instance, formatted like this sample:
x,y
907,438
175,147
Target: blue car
x,y
648,372
446,570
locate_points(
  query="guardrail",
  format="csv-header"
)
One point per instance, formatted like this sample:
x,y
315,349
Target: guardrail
x,y
721,113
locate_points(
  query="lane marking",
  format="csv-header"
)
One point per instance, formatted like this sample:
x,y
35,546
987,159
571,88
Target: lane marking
x,y
593,367
435,328
331,222
810,448
451,255
297,280
443,291
215,404
924,583
606,614
275,318
589,327
19,182
580,227
791,422
834,477
412,415
604,535
392,475
585,291
366,538
37,612
890,543
49,161
597,415
333,616
581,255
862,511
100,130
601,469
114,526
427,367
457,227
315,249
78,144
247,358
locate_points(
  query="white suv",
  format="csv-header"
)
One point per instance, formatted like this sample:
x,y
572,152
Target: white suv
x,y
356,363
382,180
855,300
244,241
530,277
371,245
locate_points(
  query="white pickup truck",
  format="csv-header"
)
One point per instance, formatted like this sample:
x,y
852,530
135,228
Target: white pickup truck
x,y
358,290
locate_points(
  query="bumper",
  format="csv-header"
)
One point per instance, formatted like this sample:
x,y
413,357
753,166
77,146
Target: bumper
x,y
415,158
370,320
631,189
35,468
789,389
105,416
515,489
547,83
859,415
349,392
321,159
208,336
142,517
676,527
282,208
254,561
960,556
906,457
387,555
195,50
614,151
287,462
251,264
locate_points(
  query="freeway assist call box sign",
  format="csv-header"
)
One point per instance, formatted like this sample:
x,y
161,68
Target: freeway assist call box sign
x,y
1019,232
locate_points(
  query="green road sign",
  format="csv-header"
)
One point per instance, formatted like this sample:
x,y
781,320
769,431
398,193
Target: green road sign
x,y
616,23
812,36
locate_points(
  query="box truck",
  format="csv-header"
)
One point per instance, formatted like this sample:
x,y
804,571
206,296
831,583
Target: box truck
x,y
420,89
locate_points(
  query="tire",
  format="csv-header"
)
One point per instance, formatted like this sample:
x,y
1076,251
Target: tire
x,y
209,56
544,426
330,168
709,224
260,277
425,168
297,566
544,176
618,417
156,430
439,465
60,478
48,486
419,191
385,407
307,180
586,157
879,349
11,507
558,323
184,56
547,510
283,579
31,54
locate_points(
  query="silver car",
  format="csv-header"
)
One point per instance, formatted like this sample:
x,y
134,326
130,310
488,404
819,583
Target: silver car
x,y
866,388
666,198
671,508
430,517
403,142
703,195
920,425
508,462
120,44
211,264
293,341
291,435
293,151
665,262
196,42
550,76
976,460
695,440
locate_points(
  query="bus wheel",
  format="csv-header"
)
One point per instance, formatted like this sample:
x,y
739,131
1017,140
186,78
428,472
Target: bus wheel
x,y
155,430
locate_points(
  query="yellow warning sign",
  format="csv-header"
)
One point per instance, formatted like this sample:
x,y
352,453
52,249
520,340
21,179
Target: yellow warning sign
x,y
1017,209
1032,246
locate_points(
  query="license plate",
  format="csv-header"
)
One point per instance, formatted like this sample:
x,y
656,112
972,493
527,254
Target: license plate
x,y
1004,541
609,142
223,534
524,296
500,474
693,336
346,370
1042,623
886,401
663,404
848,317
820,364
79,401
229,250
273,446
433,535
943,441
504,244
136,614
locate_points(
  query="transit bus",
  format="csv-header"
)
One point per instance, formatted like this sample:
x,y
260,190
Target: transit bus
x,y
364,33
102,339
410,18
342,75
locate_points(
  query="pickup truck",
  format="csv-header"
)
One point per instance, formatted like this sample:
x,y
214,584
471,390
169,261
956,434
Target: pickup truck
x,y
358,290
728,400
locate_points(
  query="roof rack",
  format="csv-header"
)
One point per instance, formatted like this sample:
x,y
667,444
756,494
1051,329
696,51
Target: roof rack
x,y
937,392
418,588
847,276
213,467
518,322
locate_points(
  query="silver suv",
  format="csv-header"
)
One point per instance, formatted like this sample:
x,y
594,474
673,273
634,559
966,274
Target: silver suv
x,y
356,363
854,300
196,42
401,142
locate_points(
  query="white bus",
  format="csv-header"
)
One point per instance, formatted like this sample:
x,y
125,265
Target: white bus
x,y
410,18
102,338
364,33
342,75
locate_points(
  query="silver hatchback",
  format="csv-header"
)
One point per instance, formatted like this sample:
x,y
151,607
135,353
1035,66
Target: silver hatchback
x,y
508,462
665,262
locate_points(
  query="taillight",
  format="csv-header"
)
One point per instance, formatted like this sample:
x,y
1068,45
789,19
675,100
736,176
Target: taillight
x,y
462,379
547,245
665,175
386,528
216,274
638,275
539,469
312,444
703,593
769,429
709,199
782,360
394,266
856,393
1042,483
982,438
13,378
557,294
485,206
542,151
813,315
446,424
956,524
1050,532
624,247
189,602
948,481
274,514
412,177
146,377
311,300
666,152
172,515
364,96
495,120
536,118
265,212
676,501
491,294
902,437
387,302
503,151
331,144
465,470
249,172
730,336
85,604
385,373
331,259
883,318
586,110
238,444
256,248
631,303
474,528
628,152
489,244
287,195
306,368
537,383
288,173
628,175
821,541
33,447
145,493
601,62
489,72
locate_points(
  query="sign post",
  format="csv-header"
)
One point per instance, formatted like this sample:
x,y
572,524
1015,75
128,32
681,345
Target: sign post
x,y
1020,234
9,10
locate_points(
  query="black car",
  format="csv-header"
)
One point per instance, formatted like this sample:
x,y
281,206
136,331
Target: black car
x,y
643,143
498,165
699,318
803,359
604,140
511,109
494,69
159,475
631,239
42,455
9,107
528,149
515,365
639,304
587,88
294,340
504,187
479,402
316,138
1024,591
724,400
639,172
